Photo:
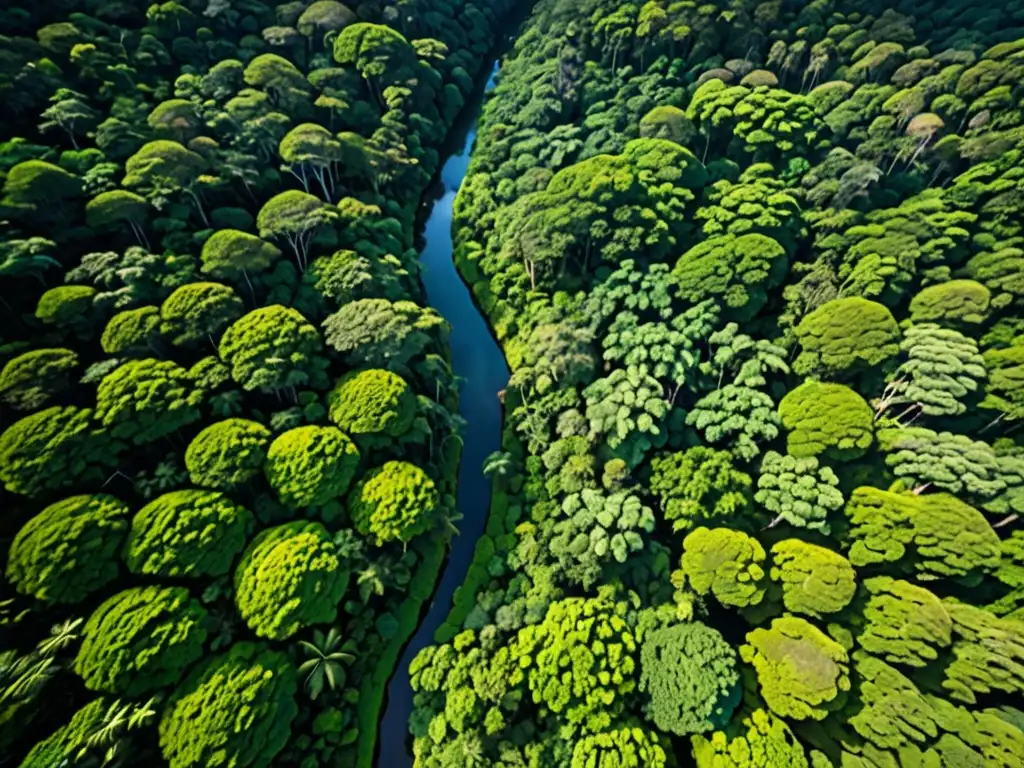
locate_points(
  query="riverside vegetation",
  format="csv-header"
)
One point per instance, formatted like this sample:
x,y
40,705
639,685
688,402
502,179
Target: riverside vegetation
x,y
757,269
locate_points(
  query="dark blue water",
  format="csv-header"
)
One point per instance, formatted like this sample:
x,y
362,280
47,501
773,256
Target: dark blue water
x,y
478,361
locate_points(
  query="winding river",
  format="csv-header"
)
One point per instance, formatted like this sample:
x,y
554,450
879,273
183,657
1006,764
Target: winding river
x,y
479,363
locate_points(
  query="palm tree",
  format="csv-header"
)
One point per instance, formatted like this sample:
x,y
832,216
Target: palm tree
x,y
326,656
498,463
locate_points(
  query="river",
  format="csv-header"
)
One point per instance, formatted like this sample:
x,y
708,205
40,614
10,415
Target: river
x,y
480,365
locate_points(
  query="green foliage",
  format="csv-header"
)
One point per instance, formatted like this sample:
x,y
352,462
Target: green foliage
x,y
594,528
310,466
962,304
846,338
274,348
197,313
65,304
188,533
52,449
227,453
380,333
626,410
758,740
798,491
903,623
70,549
829,419
726,563
803,674
700,486
626,746
736,271
394,502
372,402
932,536
815,581
141,640
688,672
943,370
987,654
580,660
737,415
132,332
290,577
230,254
144,400
32,378
200,723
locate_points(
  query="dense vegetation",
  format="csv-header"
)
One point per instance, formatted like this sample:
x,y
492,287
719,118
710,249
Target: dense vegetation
x,y
227,478
757,268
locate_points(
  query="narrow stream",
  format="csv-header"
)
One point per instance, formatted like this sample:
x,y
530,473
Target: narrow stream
x,y
480,365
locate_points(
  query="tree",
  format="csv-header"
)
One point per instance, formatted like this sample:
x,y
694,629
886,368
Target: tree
x,y
931,537
289,578
1004,392
626,410
197,312
394,502
67,306
737,415
580,661
189,533
668,122
758,740
36,189
324,17
826,419
144,400
116,207
274,348
987,654
294,217
70,549
175,120
798,491
310,151
998,270
53,449
380,333
372,403
960,304
141,640
132,278
700,486
69,111
227,454
593,528
688,672
625,746
728,564
737,271
803,674
903,623
815,581
951,462
846,338
132,333
200,723
326,655
162,168
287,87
382,55
229,254
310,466
943,370
32,378
347,276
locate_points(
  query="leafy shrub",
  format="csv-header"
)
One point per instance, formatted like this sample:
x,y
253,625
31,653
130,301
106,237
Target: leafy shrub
x,y
394,502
